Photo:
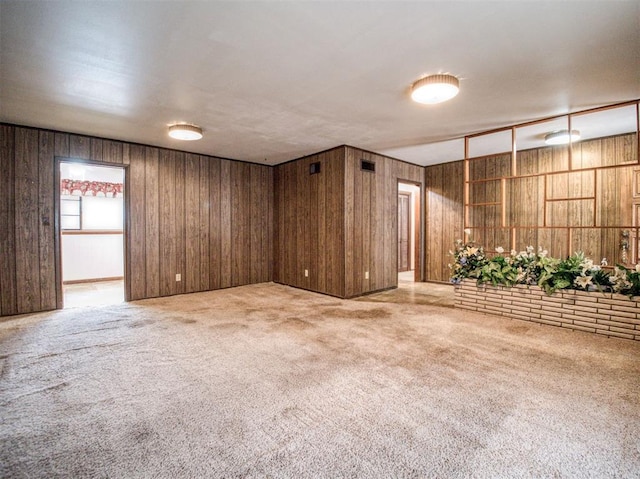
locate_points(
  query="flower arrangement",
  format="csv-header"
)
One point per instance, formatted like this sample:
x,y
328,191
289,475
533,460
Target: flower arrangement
x,y
537,267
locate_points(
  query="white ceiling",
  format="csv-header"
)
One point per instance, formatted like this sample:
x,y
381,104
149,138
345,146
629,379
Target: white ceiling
x,y
272,81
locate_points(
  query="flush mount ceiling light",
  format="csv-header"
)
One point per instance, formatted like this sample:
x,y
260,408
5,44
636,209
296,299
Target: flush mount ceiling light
x,y
435,89
185,131
562,137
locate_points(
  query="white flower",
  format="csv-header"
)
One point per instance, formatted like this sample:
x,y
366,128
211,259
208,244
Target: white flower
x,y
472,250
604,262
499,250
638,268
583,281
514,252
467,231
530,249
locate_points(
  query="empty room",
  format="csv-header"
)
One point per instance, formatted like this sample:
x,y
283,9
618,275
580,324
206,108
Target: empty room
x,y
319,239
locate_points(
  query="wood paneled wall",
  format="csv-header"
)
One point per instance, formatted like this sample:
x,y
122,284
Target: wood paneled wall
x,y
371,220
559,199
208,219
444,190
339,224
309,230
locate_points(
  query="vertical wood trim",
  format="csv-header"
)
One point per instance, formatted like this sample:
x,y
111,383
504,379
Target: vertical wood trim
x,y
126,239
466,185
595,196
545,179
503,202
514,153
570,148
417,234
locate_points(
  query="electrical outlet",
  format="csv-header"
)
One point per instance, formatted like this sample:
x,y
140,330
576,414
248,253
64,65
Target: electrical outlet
x,y
306,273
366,275
178,277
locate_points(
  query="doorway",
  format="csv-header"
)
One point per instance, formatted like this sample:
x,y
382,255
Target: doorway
x,y
91,233
408,232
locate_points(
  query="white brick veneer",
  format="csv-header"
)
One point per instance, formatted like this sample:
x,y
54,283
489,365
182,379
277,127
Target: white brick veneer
x,y
608,314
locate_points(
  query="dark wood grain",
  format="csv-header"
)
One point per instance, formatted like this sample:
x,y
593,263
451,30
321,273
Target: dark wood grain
x,y
46,233
27,221
8,284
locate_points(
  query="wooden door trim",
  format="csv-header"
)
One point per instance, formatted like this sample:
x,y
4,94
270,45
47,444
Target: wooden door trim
x,y
408,219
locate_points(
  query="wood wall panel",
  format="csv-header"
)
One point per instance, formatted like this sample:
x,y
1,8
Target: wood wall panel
x,y
309,223
184,213
204,228
333,262
525,201
555,204
225,221
80,147
192,223
137,226
8,283
215,224
46,233
436,235
97,149
180,221
152,228
27,220
363,192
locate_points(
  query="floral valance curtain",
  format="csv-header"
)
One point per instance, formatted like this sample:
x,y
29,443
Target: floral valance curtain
x,y
90,188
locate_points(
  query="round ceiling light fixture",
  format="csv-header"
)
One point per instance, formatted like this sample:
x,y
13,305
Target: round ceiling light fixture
x,y
561,137
185,131
435,89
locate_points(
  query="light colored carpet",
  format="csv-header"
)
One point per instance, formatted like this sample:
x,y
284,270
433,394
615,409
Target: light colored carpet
x,y
270,381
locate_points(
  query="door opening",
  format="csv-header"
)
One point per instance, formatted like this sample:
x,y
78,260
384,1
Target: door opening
x,y
91,233
408,232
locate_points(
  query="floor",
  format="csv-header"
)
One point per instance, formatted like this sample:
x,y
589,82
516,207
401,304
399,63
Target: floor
x,y
103,293
267,380
99,293
410,292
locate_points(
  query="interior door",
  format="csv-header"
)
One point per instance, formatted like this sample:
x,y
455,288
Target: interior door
x,y
404,231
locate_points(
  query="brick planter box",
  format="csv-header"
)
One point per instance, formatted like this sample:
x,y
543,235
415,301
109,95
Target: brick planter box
x,y
608,314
